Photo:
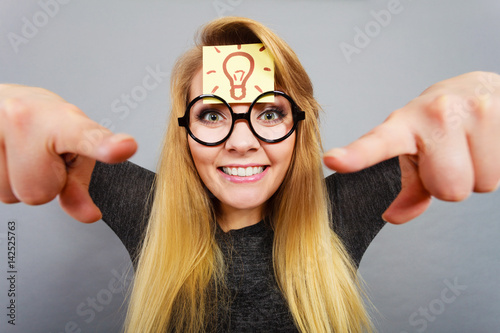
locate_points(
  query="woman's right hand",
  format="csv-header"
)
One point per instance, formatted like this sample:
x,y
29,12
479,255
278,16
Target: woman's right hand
x,y
48,148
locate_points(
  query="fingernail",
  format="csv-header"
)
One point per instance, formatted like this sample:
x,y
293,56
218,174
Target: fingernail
x,y
336,153
120,137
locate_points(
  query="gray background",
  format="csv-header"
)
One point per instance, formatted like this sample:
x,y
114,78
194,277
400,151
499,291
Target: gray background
x,y
92,52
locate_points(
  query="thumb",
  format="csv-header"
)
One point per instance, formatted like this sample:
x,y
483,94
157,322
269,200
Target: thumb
x,y
413,199
74,198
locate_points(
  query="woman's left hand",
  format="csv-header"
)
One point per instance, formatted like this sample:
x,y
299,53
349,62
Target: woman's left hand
x,y
447,140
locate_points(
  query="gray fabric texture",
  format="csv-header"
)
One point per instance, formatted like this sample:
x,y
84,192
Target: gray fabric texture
x,y
256,304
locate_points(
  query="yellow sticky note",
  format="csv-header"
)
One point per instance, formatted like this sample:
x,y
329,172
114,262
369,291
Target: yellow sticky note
x,y
237,73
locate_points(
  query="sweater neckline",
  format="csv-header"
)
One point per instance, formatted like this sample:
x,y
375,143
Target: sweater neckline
x,y
254,229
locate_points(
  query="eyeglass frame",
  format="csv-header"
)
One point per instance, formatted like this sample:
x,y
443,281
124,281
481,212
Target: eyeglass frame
x,y
297,114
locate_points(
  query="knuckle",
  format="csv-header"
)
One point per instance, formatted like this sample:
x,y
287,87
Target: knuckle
x,y
376,134
396,134
437,109
483,109
71,108
16,112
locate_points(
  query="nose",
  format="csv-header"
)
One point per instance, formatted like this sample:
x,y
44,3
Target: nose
x,y
242,139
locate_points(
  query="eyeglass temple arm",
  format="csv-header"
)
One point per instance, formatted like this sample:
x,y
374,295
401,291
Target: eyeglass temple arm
x,y
182,121
301,115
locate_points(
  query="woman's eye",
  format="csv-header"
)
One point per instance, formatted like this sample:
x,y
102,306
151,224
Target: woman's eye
x,y
211,117
271,116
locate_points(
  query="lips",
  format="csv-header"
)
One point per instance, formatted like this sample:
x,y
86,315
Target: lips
x,y
243,171
241,174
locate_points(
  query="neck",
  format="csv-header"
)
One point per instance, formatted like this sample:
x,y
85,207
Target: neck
x,y
231,218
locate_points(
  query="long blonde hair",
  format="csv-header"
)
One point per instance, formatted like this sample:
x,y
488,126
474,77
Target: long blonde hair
x,y
179,282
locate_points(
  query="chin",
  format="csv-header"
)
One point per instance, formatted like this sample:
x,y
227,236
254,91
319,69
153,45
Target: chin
x,y
243,202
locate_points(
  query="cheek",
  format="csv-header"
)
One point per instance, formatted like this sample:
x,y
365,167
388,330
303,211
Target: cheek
x,y
288,148
203,157
281,154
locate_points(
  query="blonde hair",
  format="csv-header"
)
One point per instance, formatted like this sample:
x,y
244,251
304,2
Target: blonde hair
x,y
179,282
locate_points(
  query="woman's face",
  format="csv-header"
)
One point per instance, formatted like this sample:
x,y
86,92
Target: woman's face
x,y
265,163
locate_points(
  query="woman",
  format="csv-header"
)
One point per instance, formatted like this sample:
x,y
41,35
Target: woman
x,y
191,275
290,195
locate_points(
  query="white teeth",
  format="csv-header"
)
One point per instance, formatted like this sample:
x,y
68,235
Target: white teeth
x,y
243,172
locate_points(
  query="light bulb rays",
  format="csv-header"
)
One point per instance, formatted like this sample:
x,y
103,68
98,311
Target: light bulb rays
x,y
237,73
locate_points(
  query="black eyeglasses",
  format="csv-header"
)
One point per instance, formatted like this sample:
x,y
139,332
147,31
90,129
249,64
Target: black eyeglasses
x,y
209,119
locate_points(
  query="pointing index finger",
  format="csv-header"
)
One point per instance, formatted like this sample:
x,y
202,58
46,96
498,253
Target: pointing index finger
x,y
85,137
390,139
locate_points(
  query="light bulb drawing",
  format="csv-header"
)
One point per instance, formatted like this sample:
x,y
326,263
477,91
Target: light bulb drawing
x,y
238,67
237,73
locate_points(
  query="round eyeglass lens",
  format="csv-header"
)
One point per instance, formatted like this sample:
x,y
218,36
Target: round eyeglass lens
x,y
274,119
210,120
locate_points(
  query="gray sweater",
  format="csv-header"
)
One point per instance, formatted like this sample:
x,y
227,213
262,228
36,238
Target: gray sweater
x,y
256,304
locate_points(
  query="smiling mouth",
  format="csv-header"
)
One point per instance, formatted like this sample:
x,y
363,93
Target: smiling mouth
x,y
243,172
